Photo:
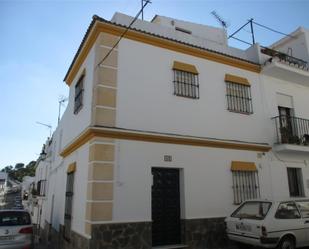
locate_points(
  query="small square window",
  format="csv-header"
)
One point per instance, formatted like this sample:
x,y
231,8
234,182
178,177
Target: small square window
x,y
78,99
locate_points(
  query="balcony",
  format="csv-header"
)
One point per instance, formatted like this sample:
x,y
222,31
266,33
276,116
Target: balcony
x,y
285,67
292,134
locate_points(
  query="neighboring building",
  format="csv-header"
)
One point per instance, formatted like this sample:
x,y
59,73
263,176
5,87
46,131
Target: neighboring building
x,y
3,182
164,136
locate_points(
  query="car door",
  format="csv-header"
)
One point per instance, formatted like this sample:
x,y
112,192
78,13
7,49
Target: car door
x,y
303,207
288,220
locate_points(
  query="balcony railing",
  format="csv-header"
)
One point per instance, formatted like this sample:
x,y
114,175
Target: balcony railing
x,y
287,59
292,130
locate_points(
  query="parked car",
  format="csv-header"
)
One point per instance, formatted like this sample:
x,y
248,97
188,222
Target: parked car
x,y
283,224
16,230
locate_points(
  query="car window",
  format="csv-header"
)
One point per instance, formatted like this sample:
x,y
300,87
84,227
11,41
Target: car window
x,y
303,207
12,218
256,210
287,210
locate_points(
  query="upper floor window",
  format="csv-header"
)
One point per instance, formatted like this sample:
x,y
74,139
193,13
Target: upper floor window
x,y
238,94
78,99
185,80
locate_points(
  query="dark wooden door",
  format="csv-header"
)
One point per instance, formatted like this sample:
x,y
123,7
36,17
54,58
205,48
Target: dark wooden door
x,y
165,207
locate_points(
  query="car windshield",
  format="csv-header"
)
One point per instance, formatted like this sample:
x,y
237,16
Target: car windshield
x,y
13,218
256,210
303,207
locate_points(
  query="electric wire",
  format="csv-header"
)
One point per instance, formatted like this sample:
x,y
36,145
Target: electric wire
x,y
123,34
273,30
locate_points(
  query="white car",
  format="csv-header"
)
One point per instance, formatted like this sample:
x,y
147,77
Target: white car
x,y
16,231
270,224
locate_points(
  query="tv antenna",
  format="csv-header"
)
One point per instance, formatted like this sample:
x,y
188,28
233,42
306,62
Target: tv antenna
x,y
46,125
61,101
223,23
142,3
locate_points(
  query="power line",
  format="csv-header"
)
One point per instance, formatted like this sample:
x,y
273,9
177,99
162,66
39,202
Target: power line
x,y
241,40
123,34
273,30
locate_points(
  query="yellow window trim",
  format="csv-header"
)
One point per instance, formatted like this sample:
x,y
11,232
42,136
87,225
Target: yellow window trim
x,y
236,79
71,168
243,166
184,67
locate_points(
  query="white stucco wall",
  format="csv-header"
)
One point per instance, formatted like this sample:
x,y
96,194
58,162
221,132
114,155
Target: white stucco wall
x,y
206,172
145,99
73,124
299,93
57,187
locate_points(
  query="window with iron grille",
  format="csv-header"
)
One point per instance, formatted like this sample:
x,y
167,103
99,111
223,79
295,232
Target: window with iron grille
x,y
295,179
245,185
68,205
239,98
41,187
78,100
186,84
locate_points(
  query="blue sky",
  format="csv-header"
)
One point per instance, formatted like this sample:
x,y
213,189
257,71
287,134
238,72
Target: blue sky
x,y
39,39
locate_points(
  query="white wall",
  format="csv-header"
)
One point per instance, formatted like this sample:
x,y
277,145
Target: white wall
x,y
207,178
299,93
145,99
73,124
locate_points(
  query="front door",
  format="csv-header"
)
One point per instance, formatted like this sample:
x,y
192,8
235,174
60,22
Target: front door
x,y
165,207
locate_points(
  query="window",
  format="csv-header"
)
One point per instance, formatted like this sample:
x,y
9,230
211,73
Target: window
x,y
185,80
287,210
295,180
68,202
41,187
14,218
303,207
78,100
245,181
238,94
252,210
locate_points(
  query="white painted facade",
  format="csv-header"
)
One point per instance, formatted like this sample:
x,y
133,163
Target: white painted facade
x,y
145,102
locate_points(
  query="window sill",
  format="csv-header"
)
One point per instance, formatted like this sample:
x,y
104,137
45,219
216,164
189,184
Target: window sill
x,y
239,112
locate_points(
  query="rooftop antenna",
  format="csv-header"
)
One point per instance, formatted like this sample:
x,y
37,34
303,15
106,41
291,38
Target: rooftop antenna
x,y
223,23
61,101
142,3
46,125
250,21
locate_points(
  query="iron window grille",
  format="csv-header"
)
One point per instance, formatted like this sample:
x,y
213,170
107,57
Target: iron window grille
x,y
186,84
239,98
246,185
41,187
79,89
295,179
68,205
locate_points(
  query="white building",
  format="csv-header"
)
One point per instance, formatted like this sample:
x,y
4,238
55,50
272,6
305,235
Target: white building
x,y
3,182
165,135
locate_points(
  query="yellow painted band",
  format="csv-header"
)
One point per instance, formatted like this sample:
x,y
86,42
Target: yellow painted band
x,y
236,79
243,166
158,138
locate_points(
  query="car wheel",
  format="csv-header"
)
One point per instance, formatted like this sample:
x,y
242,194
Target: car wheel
x,y
287,243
